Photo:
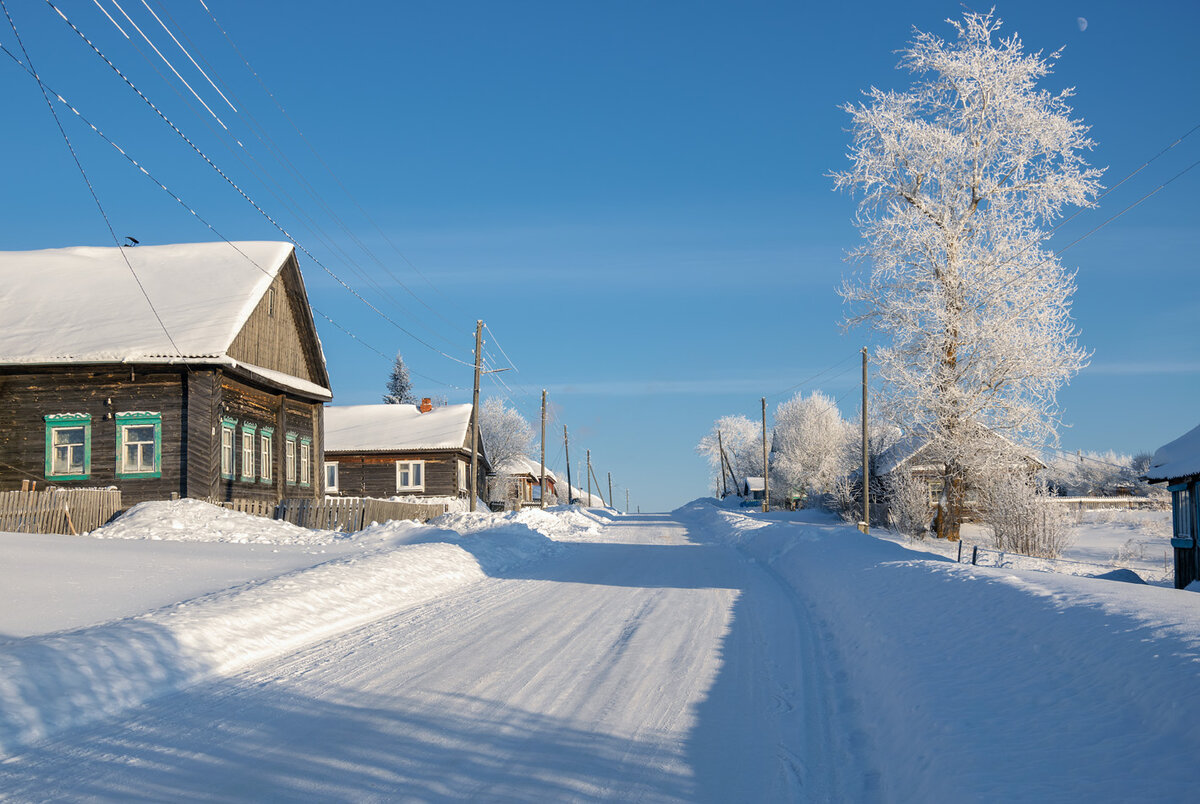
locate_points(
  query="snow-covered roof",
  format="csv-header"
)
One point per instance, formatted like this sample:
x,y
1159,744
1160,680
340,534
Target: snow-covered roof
x,y
1180,458
522,465
388,428
84,304
755,484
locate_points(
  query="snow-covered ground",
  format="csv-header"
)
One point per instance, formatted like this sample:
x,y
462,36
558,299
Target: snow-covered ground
x,y
715,654
1099,542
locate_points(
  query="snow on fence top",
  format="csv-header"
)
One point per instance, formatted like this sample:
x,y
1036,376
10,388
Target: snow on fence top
x,y
388,428
83,304
1180,458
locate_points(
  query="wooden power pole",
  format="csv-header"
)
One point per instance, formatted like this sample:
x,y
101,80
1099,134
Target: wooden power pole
x,y
567,450
543,475
866,473
766,472
475,415
589,478
611,500
721,448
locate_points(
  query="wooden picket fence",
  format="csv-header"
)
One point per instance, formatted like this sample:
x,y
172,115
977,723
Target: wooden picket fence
x,y
350,514
347,514
67,511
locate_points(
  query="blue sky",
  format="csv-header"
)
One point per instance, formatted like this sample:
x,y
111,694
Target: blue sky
x,y
632,195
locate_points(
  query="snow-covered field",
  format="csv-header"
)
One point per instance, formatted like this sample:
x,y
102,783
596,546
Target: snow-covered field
x,y
714,654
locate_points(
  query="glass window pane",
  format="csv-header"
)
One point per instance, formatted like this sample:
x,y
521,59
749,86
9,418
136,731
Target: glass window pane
x,y
416,470
68,435
139,433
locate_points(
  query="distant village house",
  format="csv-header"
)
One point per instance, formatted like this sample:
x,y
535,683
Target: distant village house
x,y
401,450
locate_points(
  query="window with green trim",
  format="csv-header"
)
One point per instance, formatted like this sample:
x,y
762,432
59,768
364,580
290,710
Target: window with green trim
x,y
68,446
290,455
139,445
266,454
227,447
248,451
305,462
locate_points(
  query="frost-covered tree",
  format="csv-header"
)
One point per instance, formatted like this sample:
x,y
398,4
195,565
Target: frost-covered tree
x,y
504,431
743,444
958,177
811,444
399,386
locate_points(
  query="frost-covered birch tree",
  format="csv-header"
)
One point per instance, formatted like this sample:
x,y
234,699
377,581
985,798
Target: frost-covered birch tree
x,y
504,431
811,444
958,178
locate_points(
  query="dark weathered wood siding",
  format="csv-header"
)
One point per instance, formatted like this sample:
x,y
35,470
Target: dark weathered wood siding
x,y
374,474
279,334
191,405
29,395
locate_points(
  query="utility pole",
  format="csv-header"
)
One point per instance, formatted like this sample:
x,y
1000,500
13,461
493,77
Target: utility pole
x,y
543,475
611,500
627,501
567,449
766,472
589,477
475,415
866,523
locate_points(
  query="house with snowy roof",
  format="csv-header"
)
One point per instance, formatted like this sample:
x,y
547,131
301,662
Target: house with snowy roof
x,y
1178,465
401,450
517,483
191,369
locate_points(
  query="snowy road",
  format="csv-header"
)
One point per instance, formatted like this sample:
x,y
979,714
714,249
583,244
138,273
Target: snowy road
x,y
647,665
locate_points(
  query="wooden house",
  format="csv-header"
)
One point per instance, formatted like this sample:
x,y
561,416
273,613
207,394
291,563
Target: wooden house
x,y
516,483
401,450
190,369
754,488
916,457
1178,465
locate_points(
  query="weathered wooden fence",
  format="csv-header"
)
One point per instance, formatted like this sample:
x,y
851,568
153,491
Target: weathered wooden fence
x,y
347,514
70,511
1161,503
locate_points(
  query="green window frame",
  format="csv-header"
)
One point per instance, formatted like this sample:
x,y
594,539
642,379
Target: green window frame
x,y
249,448
228,447
139,436
305,461
266,454
290,455
62,442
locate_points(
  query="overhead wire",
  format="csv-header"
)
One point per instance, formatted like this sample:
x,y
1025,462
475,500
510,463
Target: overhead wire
x,y
91,188
142,169
276,188
244,195
319,158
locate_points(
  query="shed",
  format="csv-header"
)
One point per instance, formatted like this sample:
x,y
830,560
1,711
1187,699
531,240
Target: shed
x,y
188,368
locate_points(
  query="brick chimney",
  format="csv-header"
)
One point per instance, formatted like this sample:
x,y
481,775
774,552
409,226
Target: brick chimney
x,y
426,405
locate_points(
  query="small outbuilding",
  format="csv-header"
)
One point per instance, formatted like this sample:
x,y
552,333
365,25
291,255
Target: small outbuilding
x,y
1178,465
190,369
517,484
401,450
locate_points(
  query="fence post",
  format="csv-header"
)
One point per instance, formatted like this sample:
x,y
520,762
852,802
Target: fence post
x,y
974,555
959,559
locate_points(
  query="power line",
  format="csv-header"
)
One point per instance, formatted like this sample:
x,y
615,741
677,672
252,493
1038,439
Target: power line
x,y
142,169
324,164
83,173
242,193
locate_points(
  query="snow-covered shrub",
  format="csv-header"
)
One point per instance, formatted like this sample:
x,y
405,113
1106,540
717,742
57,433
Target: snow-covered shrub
x,y
1022,517
845,500
907,499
